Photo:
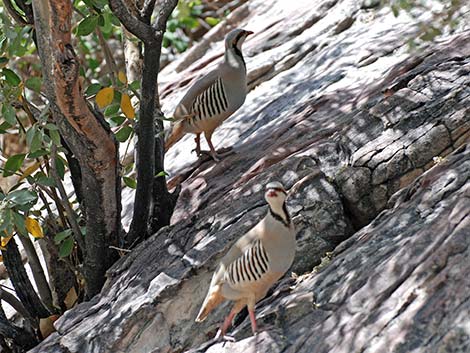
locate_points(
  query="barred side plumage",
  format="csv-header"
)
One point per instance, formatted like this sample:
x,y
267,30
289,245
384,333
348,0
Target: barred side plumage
x,y
250,266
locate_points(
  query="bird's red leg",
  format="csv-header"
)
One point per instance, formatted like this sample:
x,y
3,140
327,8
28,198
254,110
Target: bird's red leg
x,y
213,153
228,322
197,139
254,328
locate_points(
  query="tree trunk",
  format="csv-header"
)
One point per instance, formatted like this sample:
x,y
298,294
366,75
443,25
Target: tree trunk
x,y
87,135
153,203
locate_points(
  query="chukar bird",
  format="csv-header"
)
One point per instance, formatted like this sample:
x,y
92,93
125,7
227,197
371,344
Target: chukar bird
x,y
214,97
255,262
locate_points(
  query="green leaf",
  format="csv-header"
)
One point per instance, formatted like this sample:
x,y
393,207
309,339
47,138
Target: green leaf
x,y
116,120
19,222
66,247
93,89
34,83
55,137
9,114
13,164
212,21
130,182
36,154
107,25
43,179
60,167
100,20
162,173
6,215
12,78
87,25
22,197
123,134
59,237
36,142
111,109
135,86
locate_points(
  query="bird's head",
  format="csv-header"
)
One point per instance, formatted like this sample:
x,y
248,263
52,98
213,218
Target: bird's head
x,y
275,195
235,38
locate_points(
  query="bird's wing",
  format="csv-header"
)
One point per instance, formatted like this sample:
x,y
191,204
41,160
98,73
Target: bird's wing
x,y
236,251
183,109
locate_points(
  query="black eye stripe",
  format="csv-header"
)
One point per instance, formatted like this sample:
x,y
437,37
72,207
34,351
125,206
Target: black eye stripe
x,y
238,37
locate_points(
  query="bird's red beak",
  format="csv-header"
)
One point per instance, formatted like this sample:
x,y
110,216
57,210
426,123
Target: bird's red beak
x,y
272,193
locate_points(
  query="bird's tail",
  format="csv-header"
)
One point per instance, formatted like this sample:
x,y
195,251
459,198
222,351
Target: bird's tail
x,y
213,299
176,134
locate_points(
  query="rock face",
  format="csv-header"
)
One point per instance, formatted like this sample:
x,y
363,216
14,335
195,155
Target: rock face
x,y
341,113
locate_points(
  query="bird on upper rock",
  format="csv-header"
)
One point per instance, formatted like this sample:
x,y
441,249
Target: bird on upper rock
x,y
255,262
214,97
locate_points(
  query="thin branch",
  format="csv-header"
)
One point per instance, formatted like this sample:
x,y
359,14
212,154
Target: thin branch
x,y
147,10
14,302
77,234
108,56
141,30
38,272
165,11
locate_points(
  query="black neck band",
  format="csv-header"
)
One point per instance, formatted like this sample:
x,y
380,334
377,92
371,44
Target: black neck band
x,y
279,218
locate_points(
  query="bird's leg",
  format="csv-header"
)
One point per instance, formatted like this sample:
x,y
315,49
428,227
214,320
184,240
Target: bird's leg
x,y
254,328
197,139
251,311
228,322
213,153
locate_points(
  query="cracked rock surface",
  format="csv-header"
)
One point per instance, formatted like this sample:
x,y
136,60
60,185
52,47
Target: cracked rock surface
x,y
371,140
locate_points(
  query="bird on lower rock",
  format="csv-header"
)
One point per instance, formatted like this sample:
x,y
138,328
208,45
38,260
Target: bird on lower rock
x,y
254,263
214,97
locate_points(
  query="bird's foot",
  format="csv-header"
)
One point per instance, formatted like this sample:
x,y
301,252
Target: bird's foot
x,y
225,151
214,155
222,336
218,155
197,150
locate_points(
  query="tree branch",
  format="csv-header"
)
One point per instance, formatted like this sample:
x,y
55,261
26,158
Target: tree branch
x,y
38,272
134,25
147,10
71,216
148,189
14,302
20,280
163,14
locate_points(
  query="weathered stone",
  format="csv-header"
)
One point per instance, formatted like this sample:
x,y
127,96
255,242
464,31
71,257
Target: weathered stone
x,y
307,122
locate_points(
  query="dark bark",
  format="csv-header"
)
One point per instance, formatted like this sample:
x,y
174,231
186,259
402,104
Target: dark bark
x,y
21,283
86,134
163,202
152,197
145,160
38,272
75,173
21,340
